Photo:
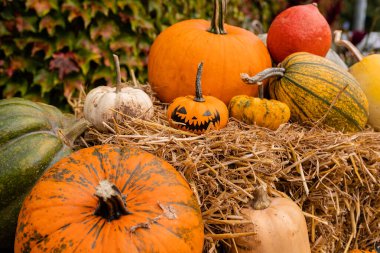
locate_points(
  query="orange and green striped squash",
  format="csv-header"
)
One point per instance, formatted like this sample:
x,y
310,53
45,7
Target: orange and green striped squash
x,y
110,199
316,89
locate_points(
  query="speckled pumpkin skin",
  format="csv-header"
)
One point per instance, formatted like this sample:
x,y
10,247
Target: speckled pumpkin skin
x,y
30,142
311,85
262,112
58,215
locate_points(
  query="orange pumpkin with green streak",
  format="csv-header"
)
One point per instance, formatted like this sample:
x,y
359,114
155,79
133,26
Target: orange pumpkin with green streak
x,y
110,199
316,89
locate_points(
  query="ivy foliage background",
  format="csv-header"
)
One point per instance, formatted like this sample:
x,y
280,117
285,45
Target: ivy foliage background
x,y
51,48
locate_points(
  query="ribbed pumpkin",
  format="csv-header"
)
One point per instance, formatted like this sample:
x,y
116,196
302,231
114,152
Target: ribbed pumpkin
x,y
197,114
225,50
316,89
33,136
110,199
260,111
366,72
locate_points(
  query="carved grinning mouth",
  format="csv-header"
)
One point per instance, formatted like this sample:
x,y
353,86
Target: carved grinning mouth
x,y
178,115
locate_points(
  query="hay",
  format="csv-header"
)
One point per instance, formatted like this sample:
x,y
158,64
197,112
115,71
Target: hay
x,y
333,177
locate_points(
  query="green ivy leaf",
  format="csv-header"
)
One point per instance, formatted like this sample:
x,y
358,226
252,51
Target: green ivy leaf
x,y
3,30
47,80
42,45
73,83
75,10
125,42
8,49
95,6
102,72
42,7
66,39
13,86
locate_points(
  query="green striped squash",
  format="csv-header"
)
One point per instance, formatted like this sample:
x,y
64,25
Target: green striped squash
x,y
33,136
317,89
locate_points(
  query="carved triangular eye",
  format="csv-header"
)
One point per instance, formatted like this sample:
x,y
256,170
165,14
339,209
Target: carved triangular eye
x,y
182,110
207,113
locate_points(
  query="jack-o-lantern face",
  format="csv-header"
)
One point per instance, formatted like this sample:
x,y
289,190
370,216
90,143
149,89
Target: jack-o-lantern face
x,y
197,114
195,120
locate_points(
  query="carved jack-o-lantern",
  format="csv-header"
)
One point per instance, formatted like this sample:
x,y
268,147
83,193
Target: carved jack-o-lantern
x,y
197,113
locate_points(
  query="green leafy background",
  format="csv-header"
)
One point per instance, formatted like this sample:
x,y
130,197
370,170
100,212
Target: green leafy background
x,y
51,48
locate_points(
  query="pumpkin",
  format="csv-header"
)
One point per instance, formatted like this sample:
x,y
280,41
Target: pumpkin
x,y
361,251
110,199
33,136
366,72
316,89
197,114
262,112
287,35
105,103
225,50
279,224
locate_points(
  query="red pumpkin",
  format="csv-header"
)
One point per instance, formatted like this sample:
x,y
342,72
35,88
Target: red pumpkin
x,y
110,199
225,50
300,28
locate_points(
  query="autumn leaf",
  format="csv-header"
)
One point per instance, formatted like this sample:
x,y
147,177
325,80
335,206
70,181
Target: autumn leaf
x,y
72,84
64,63
50,23
42,7
75,11
25,23
45,79
105,29
42,45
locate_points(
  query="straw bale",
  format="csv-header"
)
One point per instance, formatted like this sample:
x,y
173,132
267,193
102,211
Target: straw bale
x,y
334,177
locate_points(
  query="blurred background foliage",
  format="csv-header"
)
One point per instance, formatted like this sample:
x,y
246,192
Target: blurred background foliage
x,y
50,49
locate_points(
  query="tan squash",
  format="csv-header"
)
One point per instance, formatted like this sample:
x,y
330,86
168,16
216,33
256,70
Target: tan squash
x,y
279,224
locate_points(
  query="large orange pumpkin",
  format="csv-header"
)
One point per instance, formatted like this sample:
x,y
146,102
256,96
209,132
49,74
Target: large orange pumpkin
x,y
110,199
225,50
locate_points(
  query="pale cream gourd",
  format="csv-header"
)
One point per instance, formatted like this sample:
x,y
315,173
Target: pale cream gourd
x,y
278,223
103,103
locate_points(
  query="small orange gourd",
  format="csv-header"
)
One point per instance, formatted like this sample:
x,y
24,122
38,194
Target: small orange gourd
x,y
262,112
110,199
197,114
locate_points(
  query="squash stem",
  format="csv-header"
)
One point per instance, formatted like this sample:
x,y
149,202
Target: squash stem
x,y
217,21
71,133
118,75
261,199
261,76
261,89
198,87
347,44
111,201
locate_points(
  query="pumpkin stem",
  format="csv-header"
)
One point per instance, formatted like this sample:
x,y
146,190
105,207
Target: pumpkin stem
x,y
111,201
261,89
217,21
198,88
262,75
118,75
261,199
347,44
71,133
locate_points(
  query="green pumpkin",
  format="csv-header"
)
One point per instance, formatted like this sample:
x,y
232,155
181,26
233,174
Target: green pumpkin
x,y
33,136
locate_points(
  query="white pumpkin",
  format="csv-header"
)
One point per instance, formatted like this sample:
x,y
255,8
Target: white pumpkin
x,y
103,102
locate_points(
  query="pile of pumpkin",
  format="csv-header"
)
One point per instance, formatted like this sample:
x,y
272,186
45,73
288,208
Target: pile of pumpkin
x,y
108,198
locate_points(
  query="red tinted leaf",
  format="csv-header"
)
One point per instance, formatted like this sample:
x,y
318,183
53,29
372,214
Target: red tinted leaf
x,y
105,30
49,23
72,84
95,6
64,63
41,45
16,63
76,11
25,23
42,7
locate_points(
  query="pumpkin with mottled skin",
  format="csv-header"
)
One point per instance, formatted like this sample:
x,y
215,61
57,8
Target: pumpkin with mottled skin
x,y
110,199
260,111
33,136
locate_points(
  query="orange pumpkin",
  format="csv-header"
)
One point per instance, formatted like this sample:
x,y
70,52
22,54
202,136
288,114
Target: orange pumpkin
x,y
197,114
110,199
361,251
226,51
